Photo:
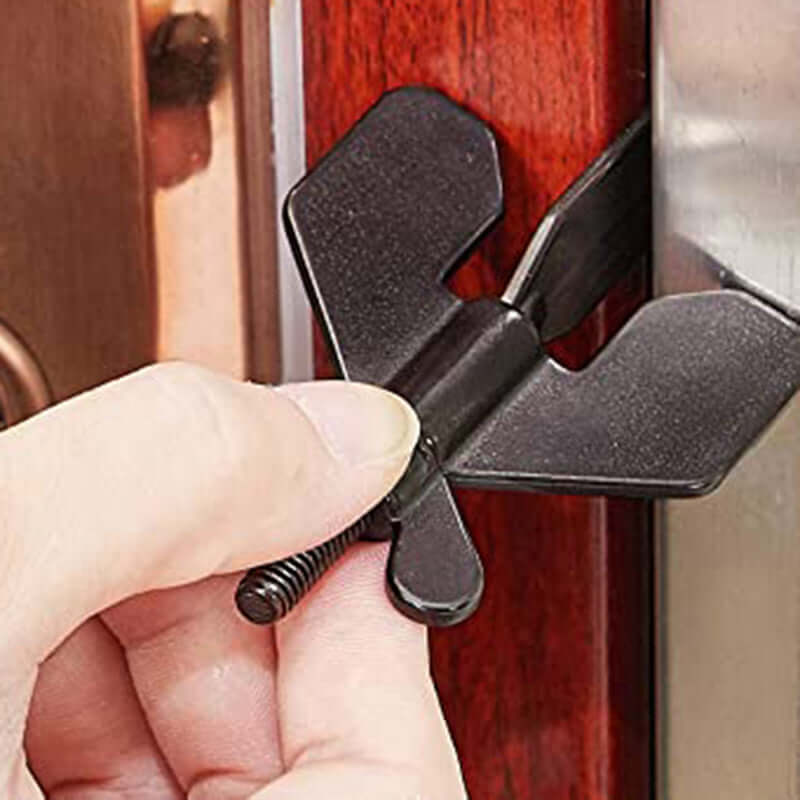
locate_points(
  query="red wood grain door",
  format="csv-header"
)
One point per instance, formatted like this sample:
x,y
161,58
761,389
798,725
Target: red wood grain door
x,y
547,688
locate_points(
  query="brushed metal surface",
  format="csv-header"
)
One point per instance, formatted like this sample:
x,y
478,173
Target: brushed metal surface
x,y
76,280
288,125
104,265
729,618
727,161
23,387
727,100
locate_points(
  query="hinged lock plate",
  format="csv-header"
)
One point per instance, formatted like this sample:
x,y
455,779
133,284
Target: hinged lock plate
x,y
665,409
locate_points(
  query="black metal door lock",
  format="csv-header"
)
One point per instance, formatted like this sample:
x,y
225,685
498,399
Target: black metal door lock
x,y
665,409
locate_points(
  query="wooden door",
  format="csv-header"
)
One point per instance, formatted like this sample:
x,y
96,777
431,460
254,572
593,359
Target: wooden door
x,y
547,688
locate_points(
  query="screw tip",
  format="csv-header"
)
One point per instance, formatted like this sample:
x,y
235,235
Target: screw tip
x,y
259,603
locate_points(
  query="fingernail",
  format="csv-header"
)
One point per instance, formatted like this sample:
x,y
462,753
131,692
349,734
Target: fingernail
x,y
360,424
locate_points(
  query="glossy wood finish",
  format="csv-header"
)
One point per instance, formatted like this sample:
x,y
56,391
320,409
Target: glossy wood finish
x,y
547,688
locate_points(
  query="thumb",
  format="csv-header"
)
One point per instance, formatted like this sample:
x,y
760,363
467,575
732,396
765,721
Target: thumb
x,y
175,473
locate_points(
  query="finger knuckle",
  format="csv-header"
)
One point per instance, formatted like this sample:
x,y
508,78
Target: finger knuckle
x,y
205,410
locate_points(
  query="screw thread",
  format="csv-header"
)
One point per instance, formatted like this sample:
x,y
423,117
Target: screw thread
x,y
269,592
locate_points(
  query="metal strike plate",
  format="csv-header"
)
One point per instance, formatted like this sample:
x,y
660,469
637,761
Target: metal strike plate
x,y
726,80
665,409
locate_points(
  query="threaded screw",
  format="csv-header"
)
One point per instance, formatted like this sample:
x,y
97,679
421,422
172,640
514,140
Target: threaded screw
x,y
269,592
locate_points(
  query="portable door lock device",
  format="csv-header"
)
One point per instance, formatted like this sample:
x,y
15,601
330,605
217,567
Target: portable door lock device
x,y
664,410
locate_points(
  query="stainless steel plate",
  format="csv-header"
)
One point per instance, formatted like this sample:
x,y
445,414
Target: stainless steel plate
x,y
727,119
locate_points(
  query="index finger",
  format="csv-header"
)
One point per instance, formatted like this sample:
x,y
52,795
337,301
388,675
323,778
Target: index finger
x,y
173,474
358,712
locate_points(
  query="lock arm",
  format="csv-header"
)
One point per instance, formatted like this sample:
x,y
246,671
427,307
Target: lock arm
x,y
592,236
665,410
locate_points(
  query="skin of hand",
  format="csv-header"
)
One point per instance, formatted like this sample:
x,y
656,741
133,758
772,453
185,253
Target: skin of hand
x,y
125,670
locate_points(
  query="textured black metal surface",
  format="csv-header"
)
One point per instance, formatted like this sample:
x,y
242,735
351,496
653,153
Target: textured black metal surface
x,y
384,217
593,235
462,374
434,573
665,410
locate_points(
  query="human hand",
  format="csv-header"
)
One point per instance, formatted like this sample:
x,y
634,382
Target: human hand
x,y
177,477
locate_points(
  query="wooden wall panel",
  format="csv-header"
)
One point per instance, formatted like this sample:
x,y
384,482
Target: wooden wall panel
x,y
547,688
